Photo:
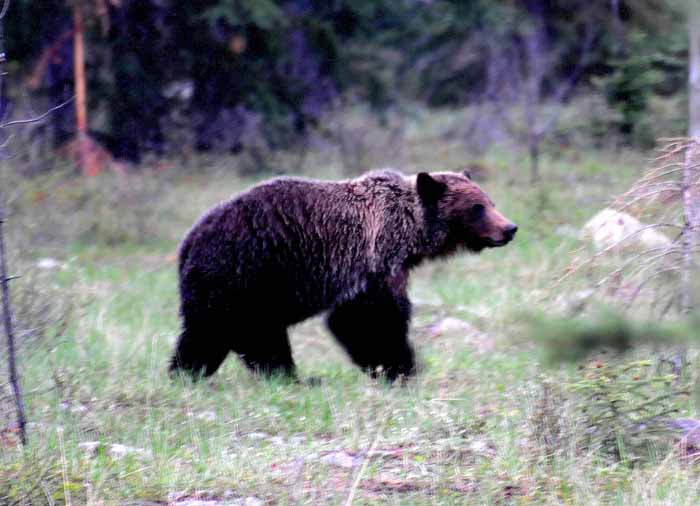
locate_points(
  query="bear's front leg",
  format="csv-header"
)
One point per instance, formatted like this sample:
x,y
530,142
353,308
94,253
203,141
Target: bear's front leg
x,y
373,329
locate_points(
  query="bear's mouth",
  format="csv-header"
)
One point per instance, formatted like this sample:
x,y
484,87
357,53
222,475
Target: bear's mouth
x,y
493,243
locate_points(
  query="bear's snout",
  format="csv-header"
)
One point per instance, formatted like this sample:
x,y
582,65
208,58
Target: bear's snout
x,y
507,235
499,230
509,232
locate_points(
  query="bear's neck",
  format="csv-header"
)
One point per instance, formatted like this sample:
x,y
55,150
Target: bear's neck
x,y
431,240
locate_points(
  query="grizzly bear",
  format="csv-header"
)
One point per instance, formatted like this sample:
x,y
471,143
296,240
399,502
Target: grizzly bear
x,y
291,248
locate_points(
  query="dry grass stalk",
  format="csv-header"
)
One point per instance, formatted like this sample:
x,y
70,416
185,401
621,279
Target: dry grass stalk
x,y
660,277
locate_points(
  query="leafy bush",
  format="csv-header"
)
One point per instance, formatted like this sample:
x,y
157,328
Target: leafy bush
x,y
625,408
620,410
41,309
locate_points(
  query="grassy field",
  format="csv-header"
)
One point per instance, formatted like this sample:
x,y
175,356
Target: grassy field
x,y
485,422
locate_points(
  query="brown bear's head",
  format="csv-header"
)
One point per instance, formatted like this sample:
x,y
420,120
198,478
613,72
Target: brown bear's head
x,y
464,215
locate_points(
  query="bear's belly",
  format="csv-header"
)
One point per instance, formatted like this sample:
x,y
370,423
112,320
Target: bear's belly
x,y
303,296
292,294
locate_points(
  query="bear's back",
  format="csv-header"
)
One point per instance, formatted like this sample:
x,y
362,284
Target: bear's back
x,y
284,238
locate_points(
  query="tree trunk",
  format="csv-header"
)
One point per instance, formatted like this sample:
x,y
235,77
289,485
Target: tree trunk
x,y
618,46
9,332
691,172
86,159
534,149
694,70
4,279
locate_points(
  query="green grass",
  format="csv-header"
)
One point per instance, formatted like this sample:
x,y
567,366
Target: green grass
x,y
466,430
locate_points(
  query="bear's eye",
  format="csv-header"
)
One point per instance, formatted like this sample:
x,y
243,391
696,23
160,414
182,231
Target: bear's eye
x,y
476,212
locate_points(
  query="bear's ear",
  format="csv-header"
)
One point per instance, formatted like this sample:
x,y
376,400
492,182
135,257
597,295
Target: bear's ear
x,y
467,173
429,189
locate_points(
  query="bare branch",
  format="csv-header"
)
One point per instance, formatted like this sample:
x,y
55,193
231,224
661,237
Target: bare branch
x,y
665,252
38,118
691,216
5,6
646,282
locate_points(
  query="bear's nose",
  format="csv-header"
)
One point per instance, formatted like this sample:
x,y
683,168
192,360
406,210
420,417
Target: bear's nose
x,y
510,231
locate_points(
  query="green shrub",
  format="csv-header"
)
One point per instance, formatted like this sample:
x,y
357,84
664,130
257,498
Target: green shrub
x,y
625,408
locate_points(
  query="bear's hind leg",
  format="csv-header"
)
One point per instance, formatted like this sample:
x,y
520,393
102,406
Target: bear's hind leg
x,y
267,352
197,354
373,329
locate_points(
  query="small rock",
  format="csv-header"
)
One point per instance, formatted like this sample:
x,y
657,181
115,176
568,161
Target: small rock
x,y
689,429
449,324
481,447
118,451
243,501
73,408
89,447
258,435
340,459
578,299
208,416
297,439
197,502
472,336
48,263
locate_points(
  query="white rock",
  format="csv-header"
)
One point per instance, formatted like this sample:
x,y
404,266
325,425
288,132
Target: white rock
x,y
89,447
611,228
243,501
297,439
118,451
48,263
449,324
482,448
208,416
340,459
196,502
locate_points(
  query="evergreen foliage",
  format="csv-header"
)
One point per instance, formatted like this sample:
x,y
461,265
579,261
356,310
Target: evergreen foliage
x,y
242,69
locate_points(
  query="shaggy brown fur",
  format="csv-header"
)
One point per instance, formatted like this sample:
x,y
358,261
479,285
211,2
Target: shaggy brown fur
x,y
291,248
